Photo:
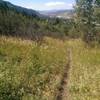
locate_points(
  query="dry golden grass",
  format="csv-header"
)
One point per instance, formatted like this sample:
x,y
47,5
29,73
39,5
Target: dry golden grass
x,y
40,67
34,66
84,76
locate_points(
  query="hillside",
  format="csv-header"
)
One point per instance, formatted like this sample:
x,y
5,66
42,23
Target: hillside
x,y
29,71
25,23
84,81
50,55
25,11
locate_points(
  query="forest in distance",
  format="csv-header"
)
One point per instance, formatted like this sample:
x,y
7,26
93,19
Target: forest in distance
x,y
50,55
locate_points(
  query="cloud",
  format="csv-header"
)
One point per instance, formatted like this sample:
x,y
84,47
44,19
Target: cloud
x,y
69,5
50,4
58,5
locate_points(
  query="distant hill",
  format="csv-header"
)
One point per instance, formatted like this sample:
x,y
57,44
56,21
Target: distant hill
x,y
25,11
67,14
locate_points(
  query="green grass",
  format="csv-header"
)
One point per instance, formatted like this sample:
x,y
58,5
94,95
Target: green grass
x,y
29,71
84,75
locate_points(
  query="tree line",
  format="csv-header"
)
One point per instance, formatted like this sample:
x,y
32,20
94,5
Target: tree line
x,y
85,24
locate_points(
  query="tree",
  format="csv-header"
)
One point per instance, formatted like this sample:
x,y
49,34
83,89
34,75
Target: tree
x,y
86,19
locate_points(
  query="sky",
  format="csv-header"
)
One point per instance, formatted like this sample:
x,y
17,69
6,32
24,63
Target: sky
x,y
44,4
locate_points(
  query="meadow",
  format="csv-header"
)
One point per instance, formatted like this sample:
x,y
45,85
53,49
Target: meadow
x,y
84,75
29,71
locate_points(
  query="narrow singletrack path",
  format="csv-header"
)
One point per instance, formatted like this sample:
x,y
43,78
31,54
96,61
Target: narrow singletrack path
x,y
62,90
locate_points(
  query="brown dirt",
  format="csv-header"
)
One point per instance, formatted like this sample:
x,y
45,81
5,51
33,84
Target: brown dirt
x,y
62,90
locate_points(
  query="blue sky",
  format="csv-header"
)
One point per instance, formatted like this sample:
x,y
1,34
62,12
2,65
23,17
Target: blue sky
x,y
44,4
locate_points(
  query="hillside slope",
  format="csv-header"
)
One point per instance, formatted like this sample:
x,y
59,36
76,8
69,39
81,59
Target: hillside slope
x,y
29,71
25,23
10,6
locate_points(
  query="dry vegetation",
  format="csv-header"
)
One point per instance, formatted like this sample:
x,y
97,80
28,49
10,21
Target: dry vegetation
x,y
29,71
84,76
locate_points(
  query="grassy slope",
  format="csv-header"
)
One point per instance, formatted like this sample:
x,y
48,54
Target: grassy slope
x,y
41,67
26,65
84,77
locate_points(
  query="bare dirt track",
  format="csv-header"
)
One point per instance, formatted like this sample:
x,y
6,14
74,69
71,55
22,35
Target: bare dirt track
x,y
62,90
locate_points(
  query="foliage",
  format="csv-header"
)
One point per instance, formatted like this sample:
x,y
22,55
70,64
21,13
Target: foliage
x,y
17,24
88,19
85,18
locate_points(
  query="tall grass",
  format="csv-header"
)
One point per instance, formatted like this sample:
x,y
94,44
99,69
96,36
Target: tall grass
x,y
84,75
29,71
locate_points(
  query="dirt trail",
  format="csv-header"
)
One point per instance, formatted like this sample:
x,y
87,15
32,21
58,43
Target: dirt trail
x,y
62,90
